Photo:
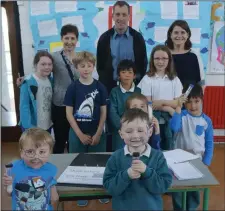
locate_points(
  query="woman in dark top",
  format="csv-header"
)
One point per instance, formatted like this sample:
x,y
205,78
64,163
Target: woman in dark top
x,y
188,64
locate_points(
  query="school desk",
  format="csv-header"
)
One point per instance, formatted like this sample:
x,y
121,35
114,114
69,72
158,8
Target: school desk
x,y
68,193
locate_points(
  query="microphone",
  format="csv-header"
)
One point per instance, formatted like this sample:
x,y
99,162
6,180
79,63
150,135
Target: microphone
x,y
135,156
150,110
189,90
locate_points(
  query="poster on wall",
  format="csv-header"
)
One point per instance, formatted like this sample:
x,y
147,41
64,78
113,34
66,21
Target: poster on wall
x,y
218,48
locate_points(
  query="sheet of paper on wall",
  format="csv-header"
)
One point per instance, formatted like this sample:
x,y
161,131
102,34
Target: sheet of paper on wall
x,y
65,6
39,8
196,51
101,19
196,35
82,175
47,28
160,34
217,61
138,16
168,9
191,9
76,20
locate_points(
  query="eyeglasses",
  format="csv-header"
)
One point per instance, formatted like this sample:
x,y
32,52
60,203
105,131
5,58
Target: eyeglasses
x,y
31,153
163,59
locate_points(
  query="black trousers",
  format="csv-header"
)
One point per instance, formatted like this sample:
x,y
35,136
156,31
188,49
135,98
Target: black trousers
x,y
61,128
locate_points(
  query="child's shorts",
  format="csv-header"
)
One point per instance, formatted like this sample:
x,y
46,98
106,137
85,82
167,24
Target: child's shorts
x,y
76,146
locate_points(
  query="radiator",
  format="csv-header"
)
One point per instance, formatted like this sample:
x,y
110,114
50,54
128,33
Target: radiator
x,y
214,105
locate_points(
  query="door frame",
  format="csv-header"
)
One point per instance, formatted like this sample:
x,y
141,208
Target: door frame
x,y
15,44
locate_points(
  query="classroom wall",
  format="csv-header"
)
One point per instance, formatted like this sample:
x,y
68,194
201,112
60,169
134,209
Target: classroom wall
x,y
28,51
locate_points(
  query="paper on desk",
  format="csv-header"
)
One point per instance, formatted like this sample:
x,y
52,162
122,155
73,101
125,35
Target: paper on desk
x,y
179,155
82,175
185,171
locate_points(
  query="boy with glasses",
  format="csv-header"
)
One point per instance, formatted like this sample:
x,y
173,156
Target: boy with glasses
x,y
32,177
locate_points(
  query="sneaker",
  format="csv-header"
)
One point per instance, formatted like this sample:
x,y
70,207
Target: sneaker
x,y
104,201
82,203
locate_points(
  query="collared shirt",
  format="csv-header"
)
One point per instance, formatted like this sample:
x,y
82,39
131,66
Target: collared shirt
x,y
160,88
121,48
130,90
146,153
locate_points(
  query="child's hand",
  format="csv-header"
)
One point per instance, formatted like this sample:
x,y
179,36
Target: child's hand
x,y
133,174
155,123
6,180
95,139
138,165
157,105
181,100
168,109
19,81
85,139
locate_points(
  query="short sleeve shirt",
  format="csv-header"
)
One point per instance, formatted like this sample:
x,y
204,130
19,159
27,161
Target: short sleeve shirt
x,y
86,101
32,187
160,88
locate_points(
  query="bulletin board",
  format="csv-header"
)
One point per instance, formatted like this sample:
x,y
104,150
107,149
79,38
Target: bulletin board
x,y
151,18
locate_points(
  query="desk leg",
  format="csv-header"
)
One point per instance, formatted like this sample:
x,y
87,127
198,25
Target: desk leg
x,y
184,199
60,206
206,199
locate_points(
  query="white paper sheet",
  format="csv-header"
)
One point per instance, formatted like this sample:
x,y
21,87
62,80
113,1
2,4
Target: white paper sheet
x,y
39,8
178,156
196,35
191,9
65,6
76,20
82,175
185,171
168,9
160,34
47,28
138,15
101,19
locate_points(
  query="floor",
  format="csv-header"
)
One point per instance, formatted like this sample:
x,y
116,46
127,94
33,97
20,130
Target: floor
x,y
217,195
